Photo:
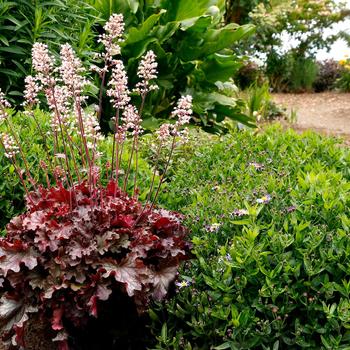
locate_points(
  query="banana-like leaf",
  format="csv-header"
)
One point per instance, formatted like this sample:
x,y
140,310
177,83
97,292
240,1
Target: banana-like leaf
x,y
183,9
215,40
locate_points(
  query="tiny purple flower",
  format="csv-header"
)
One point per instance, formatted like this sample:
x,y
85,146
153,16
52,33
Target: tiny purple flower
x,y
291,209
213,227
182,284
257,166
240,212
264,200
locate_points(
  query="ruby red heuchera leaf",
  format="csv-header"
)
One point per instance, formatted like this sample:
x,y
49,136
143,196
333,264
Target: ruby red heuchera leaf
x,y
63,263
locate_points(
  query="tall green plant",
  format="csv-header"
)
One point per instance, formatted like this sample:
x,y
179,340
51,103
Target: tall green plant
x,y
192,48
303,75
258,99
288,72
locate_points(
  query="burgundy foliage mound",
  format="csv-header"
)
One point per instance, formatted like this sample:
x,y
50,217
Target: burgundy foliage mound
x,y
71,250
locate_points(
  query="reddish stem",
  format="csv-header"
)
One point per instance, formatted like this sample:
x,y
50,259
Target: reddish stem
x,y
101,94
129,166
165,170
18,170
47,151
63,137
154,174
116,125
22,153
83,137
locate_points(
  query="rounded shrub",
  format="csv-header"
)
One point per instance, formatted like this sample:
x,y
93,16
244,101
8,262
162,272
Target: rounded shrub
x,y
328,73
270,221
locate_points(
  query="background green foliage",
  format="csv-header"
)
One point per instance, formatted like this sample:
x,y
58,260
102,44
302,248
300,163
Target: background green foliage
x,y
237,11
189,38
304,22
23,22
278,277
275,278
303,74
192,48
343,81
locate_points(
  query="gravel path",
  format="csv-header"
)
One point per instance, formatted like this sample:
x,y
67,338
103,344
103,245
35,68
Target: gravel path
x,y
327,112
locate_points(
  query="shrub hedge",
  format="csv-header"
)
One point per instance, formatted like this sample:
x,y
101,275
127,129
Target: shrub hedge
x,y
270,230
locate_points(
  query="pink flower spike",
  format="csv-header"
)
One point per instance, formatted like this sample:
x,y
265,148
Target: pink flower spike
x,y
3,105
71,69
11,148
147,71
42,63
119,91
131,120
164,132
115,26
31,91
114,32
92,130
183,110
120,135
59,99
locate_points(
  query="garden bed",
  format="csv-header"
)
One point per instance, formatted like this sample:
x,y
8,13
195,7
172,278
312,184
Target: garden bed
x,y
269,215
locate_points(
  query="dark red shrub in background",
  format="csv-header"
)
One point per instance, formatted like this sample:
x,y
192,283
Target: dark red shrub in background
x,y
328,73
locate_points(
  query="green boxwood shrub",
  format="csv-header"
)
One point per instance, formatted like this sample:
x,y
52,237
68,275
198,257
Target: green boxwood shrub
x,y
270,275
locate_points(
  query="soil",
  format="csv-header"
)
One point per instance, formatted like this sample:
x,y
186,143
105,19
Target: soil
x,y
326,112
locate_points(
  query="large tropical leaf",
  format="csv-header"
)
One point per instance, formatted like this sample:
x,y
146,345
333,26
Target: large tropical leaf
x,y
213,41
183,9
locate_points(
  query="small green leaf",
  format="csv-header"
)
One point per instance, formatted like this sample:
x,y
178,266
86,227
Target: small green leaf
x,y
223,346
164,332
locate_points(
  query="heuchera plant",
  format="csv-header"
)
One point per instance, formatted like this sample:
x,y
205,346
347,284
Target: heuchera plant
x,y
79,241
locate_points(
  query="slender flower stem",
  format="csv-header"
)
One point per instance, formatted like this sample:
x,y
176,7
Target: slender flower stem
x,y
120,155
99,113
143,96
70,145
117,150
134,149
43,136
82,134
164,173
116,125
18,170
136,165
129,166
26,165
47,178
74,145
55,146
151,186
154,174
63,138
